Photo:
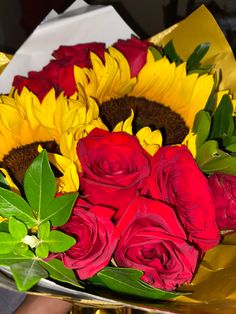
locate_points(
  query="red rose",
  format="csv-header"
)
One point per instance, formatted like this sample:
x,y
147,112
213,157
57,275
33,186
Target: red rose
x,y
223,188
113,164
39,86
80,54
96,239
135,51
176,180
153,241
59,73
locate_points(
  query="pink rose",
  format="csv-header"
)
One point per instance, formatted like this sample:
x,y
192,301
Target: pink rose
x,y
176,179
96,239
113,164
223,188
153,241
135,51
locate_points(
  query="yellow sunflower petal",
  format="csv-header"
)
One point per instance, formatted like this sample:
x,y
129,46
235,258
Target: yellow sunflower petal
x,y
125,126
15,129
26,100
150,140
2,219
9,181
86,78
70,138
199,98
123,83
190,142
69,182
107,80
168,84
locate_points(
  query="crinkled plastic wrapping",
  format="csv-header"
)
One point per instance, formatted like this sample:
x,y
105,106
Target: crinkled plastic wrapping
x,y
213,289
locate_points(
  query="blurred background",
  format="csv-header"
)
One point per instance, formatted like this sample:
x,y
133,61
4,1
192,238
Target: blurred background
x,y
18,18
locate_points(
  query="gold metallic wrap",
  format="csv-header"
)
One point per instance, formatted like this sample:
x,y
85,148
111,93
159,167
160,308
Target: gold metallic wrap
x,y
200,27
80,310
4,60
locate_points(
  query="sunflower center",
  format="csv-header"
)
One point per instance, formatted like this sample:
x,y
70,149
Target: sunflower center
x,y
146,113
17,161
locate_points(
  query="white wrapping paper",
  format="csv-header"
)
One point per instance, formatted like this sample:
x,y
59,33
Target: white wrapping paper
x,y
79,24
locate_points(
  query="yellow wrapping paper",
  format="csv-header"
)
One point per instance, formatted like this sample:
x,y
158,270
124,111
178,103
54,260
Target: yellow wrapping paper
x,y
4,60
214,286
197,28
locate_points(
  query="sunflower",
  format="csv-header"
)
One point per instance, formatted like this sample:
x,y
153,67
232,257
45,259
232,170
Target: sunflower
x,y
67,161
163,95
26,122
158,106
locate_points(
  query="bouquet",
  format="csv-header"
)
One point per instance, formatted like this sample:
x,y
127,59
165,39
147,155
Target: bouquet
x,y
118,170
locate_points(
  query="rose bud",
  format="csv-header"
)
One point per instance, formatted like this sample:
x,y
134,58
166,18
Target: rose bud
x,y
223,188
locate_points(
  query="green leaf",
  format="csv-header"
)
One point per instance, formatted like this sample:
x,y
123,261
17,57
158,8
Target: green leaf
x,y
231,148
44,230
39,184
203,69
42,250
58,271
155,52
27,274
229,143
127,281
223,123
7,242
3,182
201,127
170,52
223,163
11,204
11,258
17,228
197,55
206,152
20,248
211,159
4,226
59,210
59,241
228,140
211,102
